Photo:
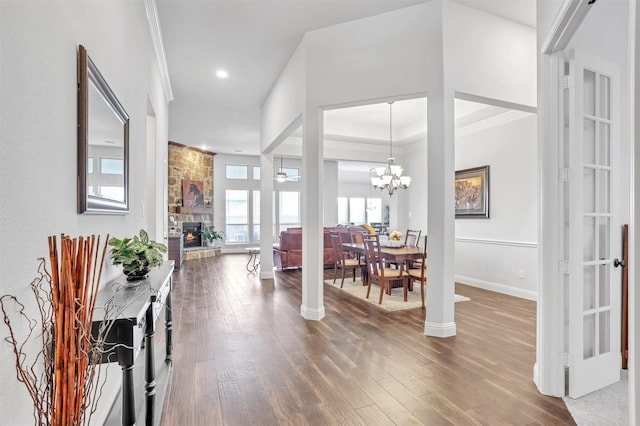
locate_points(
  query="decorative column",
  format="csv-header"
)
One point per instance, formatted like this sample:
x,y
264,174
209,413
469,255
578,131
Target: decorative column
x,y
266,215
439,320
312,196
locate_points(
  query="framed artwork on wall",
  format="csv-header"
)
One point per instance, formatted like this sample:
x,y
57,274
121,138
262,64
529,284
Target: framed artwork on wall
x,y
192,193
472,193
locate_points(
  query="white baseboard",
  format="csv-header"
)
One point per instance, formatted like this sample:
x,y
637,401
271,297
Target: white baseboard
x,y
498,288
266,274
312,314
440,330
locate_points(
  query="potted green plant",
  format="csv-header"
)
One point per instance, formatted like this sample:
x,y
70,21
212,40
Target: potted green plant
x,y
211,236
136,255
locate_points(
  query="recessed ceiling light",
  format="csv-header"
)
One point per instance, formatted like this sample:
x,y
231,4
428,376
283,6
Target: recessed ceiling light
x,y
222,74
237,150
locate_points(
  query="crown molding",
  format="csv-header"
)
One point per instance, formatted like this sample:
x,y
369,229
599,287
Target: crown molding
x,y
156,36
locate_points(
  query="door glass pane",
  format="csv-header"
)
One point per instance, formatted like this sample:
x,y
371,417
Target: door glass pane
x,y
589,336
589,93
603,191
604,339
604,286
589,239
604,159
589,190
604,102
589,288
589,141
604,232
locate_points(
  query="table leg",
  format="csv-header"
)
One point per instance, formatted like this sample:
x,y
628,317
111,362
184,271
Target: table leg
x,y
149,369
128,397
169,326
253,261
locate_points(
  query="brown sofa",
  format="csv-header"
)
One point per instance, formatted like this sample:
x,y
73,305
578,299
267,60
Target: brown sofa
x,y
287,253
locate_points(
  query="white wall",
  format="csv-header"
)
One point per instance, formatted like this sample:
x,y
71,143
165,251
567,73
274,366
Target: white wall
x,y
490,56
490,253
38,135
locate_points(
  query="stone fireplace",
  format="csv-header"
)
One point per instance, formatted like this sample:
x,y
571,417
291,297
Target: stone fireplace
x,y
191,232
188,163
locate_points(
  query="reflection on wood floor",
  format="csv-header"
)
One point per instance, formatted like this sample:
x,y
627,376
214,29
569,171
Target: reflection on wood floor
x,y
243,355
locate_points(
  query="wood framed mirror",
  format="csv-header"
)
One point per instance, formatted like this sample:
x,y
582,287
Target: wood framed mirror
x,y
103,144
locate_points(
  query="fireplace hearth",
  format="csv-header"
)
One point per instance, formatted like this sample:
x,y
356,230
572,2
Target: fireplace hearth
x,y
191,232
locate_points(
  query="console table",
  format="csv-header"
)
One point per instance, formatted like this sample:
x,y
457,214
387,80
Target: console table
x,y
131,313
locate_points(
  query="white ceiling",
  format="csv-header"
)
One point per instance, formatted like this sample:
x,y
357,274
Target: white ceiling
x,y
252,40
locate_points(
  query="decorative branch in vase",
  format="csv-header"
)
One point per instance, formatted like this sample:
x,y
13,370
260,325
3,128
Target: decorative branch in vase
x,y
63,378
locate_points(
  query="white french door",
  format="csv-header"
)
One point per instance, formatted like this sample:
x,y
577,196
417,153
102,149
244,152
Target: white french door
x,y
593,225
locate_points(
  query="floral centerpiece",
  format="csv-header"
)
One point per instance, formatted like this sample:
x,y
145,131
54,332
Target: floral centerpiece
x,y
395,236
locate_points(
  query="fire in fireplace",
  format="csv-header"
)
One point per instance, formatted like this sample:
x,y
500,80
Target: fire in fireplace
x,y
191,232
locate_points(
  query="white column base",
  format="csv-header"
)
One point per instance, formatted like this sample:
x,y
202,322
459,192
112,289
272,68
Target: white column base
x,y
440,330
266,274
312,314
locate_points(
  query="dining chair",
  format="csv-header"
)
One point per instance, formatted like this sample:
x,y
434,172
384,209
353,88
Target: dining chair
x,y
412,237
376,272
342,261
418,274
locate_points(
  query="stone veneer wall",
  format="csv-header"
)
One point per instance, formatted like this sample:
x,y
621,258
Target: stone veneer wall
x,y
193,164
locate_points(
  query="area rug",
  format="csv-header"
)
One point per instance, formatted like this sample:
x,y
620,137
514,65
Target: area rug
x,y
393,302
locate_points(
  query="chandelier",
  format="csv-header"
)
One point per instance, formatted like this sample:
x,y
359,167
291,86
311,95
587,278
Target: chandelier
x,y
389,178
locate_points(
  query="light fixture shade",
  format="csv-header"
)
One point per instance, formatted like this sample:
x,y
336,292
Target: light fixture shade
x,y
396,170
281,177
380,171
375,181
405,180
385,180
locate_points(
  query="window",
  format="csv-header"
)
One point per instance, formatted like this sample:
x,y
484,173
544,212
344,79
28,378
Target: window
x,y
343,210
256,215
356,211
112,166
293,174
374,210
289,209
237,216
256,172
236,172
359,210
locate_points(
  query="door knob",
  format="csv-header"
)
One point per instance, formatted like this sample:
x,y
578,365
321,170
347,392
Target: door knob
x,y
617,263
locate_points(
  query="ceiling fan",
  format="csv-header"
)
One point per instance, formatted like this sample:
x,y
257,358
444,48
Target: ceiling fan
x,y
281,176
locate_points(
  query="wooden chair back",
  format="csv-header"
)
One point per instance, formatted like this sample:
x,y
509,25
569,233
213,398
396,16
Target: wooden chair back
x,y
412,237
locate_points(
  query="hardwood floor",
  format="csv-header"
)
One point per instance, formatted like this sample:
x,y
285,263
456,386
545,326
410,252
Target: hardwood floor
x,y
243,355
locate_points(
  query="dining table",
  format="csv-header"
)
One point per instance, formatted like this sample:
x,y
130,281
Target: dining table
x,y
395,254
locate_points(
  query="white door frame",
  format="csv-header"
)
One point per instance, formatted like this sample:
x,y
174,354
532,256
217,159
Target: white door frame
x,y
549,367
